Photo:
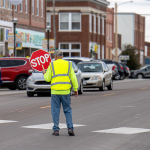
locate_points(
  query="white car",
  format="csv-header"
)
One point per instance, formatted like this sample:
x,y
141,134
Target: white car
x,y
37,85
77,59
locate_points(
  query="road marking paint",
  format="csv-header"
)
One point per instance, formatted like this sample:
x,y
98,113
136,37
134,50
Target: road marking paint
x,y
124,130
21,110
50,126
7,121
46,107
144,88
109,94
126,106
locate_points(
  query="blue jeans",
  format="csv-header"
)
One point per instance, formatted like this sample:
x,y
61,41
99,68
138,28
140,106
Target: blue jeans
x,y
56,101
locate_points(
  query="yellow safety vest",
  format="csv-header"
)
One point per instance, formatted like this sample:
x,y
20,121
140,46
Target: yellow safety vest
x,y
60,75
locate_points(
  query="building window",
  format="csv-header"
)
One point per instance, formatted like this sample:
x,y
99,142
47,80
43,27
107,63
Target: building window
x,y
1,34
48,19
4,3
21,7
69,21
15,7
99,24
103,27
64,46
41,8
37,9
90,22
26,6
32,7
9,5
70,49
94,23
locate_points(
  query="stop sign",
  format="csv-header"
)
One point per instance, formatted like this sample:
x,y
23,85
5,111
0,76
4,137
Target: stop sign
x,y
40,58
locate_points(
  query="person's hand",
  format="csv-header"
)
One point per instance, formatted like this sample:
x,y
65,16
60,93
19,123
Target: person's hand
x,y
44,71
76,93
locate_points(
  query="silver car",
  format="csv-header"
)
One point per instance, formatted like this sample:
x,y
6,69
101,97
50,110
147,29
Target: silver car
x,y
96,74
37,85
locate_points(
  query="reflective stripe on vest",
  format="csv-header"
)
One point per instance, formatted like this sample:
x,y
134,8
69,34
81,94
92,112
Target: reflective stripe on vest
x,y
59,75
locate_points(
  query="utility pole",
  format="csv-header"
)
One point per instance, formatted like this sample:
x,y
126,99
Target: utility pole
x,y
54,24
116,36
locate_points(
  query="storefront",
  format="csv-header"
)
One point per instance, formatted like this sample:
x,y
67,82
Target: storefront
x,y
5,28
32,40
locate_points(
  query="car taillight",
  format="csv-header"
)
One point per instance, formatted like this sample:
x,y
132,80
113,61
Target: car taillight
x,y
121,68
127,68
113,68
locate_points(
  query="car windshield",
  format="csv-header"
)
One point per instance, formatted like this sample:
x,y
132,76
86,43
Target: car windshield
x,y
93,67
143,67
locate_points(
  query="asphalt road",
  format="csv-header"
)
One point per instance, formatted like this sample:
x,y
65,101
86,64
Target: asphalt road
x,y
109,120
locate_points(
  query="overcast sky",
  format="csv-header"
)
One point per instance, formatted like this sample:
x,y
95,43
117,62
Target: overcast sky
x,y
141,7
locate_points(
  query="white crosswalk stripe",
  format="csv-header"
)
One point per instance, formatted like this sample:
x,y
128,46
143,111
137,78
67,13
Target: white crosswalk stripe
x,y
124,130
50,125
7,121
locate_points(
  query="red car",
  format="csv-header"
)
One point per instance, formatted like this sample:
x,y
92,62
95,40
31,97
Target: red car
x,y
14,72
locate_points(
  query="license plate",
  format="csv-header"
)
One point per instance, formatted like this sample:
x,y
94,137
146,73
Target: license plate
x,y
84,82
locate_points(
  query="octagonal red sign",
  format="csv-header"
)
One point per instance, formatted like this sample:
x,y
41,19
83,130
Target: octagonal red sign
x,y
39,58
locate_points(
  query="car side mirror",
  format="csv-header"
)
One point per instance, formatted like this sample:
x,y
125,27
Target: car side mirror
x,y
105,70
75,70
30,71
145,69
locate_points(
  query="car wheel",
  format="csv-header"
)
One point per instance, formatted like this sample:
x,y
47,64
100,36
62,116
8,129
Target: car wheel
x,y
30,94
13,87
122,77
110,87
139,76
103,87
81,88
21,83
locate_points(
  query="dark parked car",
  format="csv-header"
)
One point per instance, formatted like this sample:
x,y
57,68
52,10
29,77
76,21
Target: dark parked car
x,y
141,73
120,70
14,72
126,70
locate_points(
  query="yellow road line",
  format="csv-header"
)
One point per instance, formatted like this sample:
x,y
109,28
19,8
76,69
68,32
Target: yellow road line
x,y
144,88
109,94
46,107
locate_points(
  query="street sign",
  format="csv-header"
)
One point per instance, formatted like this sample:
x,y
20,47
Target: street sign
x,y
124,57
40,58
114,52
15,2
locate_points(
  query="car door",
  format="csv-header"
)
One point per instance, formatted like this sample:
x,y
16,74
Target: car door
x,y
0,75
105,71
78,74
109,74
147,71
7,69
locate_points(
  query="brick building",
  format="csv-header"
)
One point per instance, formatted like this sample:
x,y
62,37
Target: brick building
x,y
109,33
80,26
31,24
132,28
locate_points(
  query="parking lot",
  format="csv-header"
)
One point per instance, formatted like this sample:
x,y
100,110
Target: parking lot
x,y
107,120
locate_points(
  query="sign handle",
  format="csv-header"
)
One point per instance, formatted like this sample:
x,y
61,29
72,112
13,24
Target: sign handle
x,y
43,67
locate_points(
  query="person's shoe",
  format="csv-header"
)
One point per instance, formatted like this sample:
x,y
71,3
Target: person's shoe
x,y
56,133
70,132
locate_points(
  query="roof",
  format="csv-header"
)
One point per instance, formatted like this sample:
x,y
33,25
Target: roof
x,y
91,62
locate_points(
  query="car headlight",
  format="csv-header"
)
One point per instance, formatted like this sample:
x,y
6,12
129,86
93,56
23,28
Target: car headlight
x,y
30,79
95,78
